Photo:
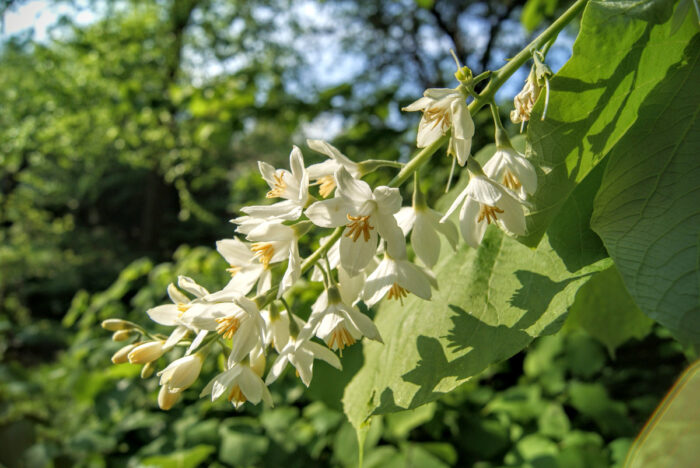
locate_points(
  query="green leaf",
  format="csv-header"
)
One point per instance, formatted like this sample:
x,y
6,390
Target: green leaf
x,y
622,51
648,207
605,310
241,448
492,302
671,436
535,11
553,421
189,458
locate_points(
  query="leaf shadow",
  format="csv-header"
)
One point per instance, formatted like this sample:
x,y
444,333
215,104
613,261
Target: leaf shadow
x,y
468,332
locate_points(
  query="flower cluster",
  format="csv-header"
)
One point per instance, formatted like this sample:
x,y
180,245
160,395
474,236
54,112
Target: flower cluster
x,y
364,258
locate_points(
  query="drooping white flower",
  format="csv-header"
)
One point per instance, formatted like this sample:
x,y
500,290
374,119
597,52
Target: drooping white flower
x,y
242,381
276,327
337,322
324,173
397,277
483,202
292,186
276,242
513,170
238,320
245,267
181,373
443,110
301,354
170,314
425,224
366,214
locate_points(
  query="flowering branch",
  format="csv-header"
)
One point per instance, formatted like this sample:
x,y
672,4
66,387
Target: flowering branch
x,y
367,249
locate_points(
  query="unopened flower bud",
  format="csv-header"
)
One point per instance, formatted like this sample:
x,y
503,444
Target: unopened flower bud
x,y
121,335
181,373
147,370
120,356
166,398
146,352
117,324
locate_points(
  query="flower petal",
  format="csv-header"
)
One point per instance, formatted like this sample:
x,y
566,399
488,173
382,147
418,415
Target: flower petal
x,y
354,190
472,231
484,190
425,241
166,314
328,213
414,279
356,254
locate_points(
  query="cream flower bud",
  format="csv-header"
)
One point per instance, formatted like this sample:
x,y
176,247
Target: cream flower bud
x,y
116,324
167,398
181,373
120,357
147,370
146,352
121,335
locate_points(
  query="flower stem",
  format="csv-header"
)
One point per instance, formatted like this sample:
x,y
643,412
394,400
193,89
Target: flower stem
x,y
501,75
498,78
417,161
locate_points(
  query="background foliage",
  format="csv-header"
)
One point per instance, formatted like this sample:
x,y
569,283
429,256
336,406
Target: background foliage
x,y
136,135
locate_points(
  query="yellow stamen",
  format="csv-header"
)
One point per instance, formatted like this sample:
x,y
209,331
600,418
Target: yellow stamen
x,y
236,395
227,326
327,185
397,292
438,117
340,338
233,270
279,188
182,308
263,252
510,181
359,225
488,212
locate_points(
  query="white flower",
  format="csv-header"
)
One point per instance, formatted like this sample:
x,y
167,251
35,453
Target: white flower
x,y
241,381
181,373
513,171
365,213
324,173
245,267
170,314
301,354
485,201
238,320
276,327
292,186
425,223
275,242
444,110
397,277
338,323
525,100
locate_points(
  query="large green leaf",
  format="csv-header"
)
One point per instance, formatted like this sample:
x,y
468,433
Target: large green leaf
x,y
648,207
672,435
492,302
622,51
605,310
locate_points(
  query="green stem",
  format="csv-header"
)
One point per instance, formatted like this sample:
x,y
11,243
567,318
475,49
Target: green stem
x,y
321,251
417,161
501,75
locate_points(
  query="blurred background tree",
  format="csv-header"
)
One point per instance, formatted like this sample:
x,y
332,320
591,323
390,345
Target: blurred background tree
x,y
135,134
